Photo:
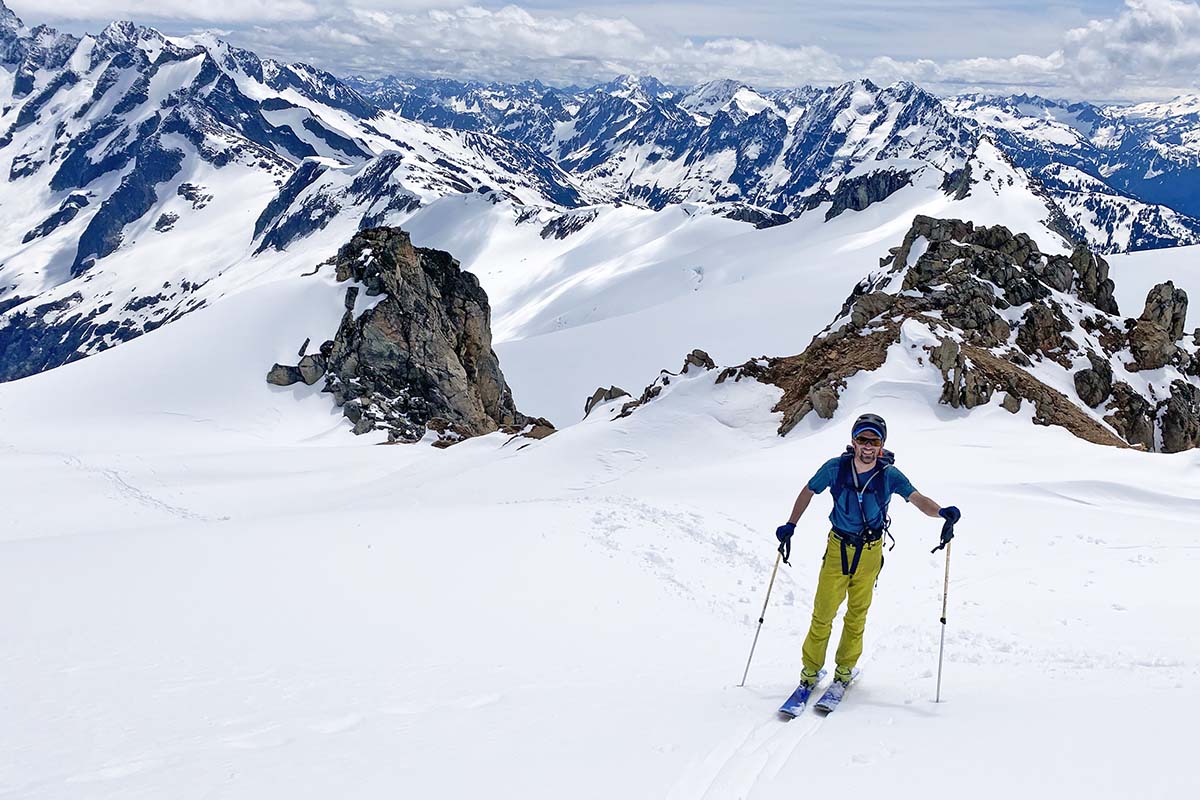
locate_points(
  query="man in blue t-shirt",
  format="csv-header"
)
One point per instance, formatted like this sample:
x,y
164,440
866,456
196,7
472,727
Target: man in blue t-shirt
x,y
863,479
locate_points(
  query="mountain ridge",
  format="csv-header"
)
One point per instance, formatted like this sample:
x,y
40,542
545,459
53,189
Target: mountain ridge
x,y
148,176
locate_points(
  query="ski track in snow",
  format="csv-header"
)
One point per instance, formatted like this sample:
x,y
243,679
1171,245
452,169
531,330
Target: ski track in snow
x,y
735,766
132,493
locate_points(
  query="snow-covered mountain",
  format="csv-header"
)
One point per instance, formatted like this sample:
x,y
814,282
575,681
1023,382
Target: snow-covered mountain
x,y
1127,176
720,142
778,150
147,176
140,169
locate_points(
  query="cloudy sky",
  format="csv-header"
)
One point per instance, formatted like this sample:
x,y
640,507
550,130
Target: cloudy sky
x,y
1118,50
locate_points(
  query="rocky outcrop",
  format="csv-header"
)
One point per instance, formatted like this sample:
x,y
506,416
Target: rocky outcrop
x,y
1181,418
602,395
1152,340
1166,307
283,375
419,357
1002,322
1092,281
1095,383
697,360
758,217
1132,416
564,225
855,194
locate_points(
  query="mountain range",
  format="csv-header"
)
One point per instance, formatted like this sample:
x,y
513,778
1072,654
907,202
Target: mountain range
x,y
146,176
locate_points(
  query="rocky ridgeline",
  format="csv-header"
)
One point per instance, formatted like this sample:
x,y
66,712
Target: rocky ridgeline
x,y
418,359
1003,323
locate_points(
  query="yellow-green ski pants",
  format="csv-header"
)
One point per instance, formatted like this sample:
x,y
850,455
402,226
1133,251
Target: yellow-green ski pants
x,y
832,588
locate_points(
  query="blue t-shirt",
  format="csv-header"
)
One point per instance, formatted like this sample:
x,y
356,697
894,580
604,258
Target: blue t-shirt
x,y
846,515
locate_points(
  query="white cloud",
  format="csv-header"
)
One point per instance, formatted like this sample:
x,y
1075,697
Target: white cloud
x,y
512,43
1150,50
224,11
1153,44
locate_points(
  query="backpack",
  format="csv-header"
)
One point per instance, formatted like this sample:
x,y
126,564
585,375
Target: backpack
x,y
846,489
846,493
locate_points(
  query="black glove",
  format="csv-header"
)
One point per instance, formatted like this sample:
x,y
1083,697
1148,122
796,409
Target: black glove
x,y
784,534
952,515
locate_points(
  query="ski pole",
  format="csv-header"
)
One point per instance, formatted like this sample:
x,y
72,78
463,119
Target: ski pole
x,y
778,558
942,646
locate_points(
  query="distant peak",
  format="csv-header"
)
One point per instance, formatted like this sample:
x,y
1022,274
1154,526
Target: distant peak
x,y
124,32
9,22
635,87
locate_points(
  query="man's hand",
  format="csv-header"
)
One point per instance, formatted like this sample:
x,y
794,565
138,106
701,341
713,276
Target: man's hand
x,y
952,515
784,534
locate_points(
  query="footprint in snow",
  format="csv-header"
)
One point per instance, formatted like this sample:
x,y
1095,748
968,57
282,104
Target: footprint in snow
x,y
261,739
113,771
337,724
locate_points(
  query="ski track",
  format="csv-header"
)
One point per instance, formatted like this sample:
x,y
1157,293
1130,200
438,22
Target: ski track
x,y
130,492
754,754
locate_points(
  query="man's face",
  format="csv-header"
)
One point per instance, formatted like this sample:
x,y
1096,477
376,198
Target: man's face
x,y
866,447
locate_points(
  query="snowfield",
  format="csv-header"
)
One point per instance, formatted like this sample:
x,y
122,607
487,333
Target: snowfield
x,y
214,590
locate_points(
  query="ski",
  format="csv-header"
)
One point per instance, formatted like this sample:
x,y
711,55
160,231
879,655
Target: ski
x,y
794,705
834,694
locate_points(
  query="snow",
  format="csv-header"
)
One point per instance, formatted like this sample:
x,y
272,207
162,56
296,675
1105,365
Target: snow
x,y
243,599
1135,274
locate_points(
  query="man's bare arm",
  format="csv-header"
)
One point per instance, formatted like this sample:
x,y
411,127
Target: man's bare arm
x,y
806,494
928,507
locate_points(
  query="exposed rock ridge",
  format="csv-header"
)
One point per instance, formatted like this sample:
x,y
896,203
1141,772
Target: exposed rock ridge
x,y
1002,322
417,358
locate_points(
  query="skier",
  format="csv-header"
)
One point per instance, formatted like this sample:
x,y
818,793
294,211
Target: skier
x,y
862,480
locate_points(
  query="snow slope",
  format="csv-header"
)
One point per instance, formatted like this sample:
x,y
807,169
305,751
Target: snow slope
x,y
216,591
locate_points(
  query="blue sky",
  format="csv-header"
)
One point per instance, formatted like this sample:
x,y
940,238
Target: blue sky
x,y
1093,49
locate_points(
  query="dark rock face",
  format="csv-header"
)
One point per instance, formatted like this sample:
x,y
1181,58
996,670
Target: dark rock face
x,y
1041,331
1154,334
757,217
165,222
29,345
602,395
1181,418
65,213
564,225
1151,345
1132,416
1094,384
311,368
1092,281
855,194
1166,307
421,357
967,286
283,375
133,198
